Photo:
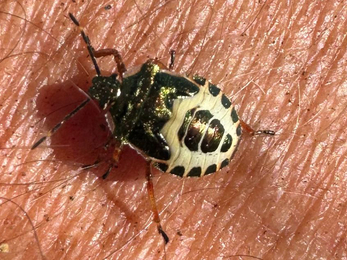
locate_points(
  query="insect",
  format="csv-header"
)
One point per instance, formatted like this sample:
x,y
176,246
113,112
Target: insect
x,y
182,125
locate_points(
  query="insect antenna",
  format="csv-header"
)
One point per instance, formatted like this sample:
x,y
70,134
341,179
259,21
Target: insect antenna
x,y
57,126
87,41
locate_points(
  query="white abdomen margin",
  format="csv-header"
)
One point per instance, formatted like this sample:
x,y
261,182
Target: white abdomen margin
x,y
181,155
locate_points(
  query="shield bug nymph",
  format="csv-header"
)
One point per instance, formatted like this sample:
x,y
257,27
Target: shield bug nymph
x,y
182,125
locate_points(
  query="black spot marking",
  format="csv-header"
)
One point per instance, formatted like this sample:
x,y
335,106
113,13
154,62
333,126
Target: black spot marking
x,y
238,130
196,129
165,89
199,80
195,172
212,137
213,90
228,140
162,166
211,169
187,119
234,115
178,170
183,87
225,101
225,163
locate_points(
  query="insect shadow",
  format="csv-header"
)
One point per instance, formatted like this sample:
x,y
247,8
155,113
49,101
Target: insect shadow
x,y
85,138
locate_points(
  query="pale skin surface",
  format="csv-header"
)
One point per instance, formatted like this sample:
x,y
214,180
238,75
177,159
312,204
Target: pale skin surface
x,y
283,197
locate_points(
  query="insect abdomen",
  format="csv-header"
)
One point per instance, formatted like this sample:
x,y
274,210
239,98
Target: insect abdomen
x,y
203,133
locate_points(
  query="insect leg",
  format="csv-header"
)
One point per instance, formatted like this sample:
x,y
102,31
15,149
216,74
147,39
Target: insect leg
x,y
117,58
150,190
161,65
172,59
57,126
115,158
251,131
95,164
113,162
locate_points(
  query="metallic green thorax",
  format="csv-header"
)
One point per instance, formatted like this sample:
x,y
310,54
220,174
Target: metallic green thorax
x,y
142,104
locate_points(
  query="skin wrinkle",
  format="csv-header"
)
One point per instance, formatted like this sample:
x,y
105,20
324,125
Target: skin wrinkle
x,y
280,198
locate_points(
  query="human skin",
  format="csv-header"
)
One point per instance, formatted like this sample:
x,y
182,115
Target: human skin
x,y
283,64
